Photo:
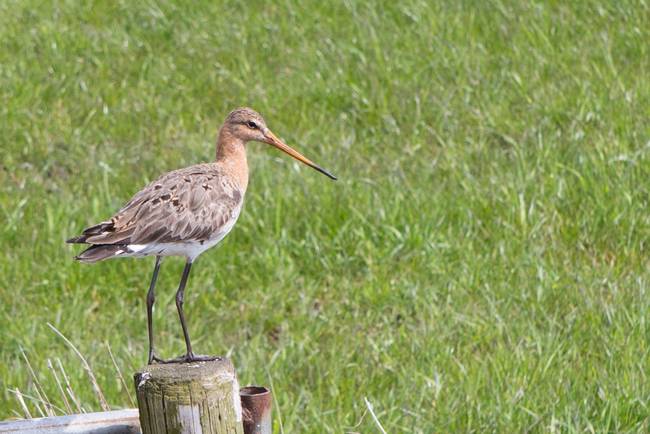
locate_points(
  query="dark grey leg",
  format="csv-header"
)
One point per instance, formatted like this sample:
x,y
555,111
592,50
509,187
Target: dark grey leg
x,y
151,298
180,295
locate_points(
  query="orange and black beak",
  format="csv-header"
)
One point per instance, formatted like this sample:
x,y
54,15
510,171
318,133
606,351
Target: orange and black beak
x,y
271,139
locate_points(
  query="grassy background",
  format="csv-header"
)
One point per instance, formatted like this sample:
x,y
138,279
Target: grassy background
x,y
481,265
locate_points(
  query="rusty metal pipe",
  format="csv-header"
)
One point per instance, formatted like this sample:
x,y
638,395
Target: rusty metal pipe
x,y
256,409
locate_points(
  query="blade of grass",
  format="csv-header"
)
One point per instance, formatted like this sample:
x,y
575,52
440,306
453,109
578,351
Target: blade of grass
x,y
59,386
374,416
86,366
37,386
119,373
21,401
68,387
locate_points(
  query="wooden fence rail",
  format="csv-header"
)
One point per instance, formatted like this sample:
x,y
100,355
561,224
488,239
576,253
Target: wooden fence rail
x,y
107,422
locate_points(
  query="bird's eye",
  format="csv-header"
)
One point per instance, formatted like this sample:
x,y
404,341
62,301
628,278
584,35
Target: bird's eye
x,y
251,125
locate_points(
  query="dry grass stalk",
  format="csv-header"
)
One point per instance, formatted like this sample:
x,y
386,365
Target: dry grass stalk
x,y
21,401
374,416
68,387
58,385
86,366
35,401
42,397
119,373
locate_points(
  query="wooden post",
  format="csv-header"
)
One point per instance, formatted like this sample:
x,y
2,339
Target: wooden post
x,y
200,397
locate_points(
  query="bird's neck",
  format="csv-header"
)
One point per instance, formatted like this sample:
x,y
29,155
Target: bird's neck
x,y
231,155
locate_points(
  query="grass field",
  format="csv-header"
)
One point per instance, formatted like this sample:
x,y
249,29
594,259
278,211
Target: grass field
x,y
480,266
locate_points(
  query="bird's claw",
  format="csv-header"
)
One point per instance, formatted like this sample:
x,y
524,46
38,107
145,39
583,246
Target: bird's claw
x,y
186,358
155,359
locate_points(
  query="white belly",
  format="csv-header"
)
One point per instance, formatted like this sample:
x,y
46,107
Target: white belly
x,y
191,249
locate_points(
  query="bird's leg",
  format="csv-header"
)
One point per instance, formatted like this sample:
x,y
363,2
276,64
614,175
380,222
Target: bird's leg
x,y
180,294
151,298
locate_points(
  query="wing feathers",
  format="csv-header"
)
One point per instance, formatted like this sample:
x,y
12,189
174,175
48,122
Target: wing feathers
x,y
102,251
191,203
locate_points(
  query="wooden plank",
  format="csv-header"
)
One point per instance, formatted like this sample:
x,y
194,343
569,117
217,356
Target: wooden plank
x,y
107,422
200,397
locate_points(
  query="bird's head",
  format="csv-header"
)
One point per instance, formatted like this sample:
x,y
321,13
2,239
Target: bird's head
x,y
247,125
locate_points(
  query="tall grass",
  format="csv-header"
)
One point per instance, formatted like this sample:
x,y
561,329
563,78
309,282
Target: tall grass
x,y
481,266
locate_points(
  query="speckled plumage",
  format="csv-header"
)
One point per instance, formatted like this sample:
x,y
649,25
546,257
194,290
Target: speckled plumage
x,y
193,205
185,212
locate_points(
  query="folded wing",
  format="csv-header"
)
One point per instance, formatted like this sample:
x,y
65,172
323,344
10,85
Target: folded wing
x,y
187,204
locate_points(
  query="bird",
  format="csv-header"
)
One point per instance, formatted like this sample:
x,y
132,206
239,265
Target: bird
x,y
184,213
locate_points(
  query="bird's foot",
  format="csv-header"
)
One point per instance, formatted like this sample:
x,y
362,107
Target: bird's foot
x,y
188,358
155,359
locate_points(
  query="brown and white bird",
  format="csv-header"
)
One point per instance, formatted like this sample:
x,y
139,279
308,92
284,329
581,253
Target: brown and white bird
x,y
185,212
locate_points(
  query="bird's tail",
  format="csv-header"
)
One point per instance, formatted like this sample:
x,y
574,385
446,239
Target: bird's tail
x,y
99,252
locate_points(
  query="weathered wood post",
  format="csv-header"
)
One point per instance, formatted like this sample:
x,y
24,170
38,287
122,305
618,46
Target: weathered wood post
x,y
201,397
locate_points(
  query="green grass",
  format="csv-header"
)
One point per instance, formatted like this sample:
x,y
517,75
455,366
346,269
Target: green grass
x,y
480,266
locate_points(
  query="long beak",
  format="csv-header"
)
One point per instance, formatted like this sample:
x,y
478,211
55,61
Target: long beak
x,y
271,139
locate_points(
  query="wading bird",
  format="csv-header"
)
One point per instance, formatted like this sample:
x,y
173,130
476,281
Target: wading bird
x,y
185,212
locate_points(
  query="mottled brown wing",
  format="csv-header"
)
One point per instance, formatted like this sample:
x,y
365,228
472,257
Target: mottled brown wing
x,y
191,203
